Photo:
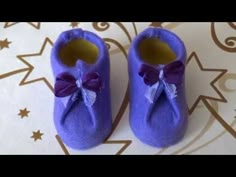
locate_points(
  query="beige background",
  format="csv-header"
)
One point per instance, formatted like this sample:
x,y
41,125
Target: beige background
x,y
26,98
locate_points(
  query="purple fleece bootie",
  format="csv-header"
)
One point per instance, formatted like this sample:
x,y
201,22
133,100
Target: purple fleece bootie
x,y
158,109
82,108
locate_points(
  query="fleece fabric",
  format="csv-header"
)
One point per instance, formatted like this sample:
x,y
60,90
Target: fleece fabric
x,y
82,114
158,109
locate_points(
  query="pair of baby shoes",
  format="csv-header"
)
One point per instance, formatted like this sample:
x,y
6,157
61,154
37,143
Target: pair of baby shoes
x,y
82,105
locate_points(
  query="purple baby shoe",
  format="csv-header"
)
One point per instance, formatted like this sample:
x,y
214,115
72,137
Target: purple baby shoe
x,y
158,109
82,106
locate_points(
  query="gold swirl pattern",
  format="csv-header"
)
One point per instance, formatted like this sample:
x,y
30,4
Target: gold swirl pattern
x,y
224,79
230,42
101,26
232,25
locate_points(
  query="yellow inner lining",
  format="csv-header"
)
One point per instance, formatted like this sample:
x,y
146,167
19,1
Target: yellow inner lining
x,y
154,51
78,49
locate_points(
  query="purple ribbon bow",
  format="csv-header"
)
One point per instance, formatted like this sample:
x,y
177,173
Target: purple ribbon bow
x,y
84,87
66,84
169,75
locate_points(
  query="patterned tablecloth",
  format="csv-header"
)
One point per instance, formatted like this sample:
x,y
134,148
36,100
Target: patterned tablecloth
x,y
26,84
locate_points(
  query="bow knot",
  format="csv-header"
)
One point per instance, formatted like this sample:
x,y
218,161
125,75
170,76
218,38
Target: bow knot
x,y
88,85
170,75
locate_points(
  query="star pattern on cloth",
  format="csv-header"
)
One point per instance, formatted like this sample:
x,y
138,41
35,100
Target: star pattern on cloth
x,y
4,43
37,135
201,82
74,24
23,113
39,68
36,25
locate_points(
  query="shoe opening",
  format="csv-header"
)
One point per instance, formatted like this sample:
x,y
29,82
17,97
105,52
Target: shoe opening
x,y
154,51
78,49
